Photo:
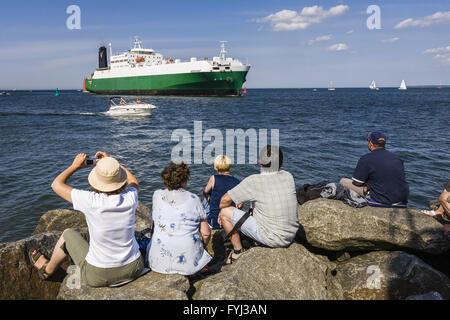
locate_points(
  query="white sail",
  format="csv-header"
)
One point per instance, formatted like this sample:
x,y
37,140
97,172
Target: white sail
x,y
373,86
402,85
331,88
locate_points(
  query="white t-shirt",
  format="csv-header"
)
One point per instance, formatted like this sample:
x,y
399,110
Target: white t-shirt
x,y
110,220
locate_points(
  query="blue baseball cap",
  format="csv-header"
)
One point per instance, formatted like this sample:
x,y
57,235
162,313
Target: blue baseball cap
x,y
377,137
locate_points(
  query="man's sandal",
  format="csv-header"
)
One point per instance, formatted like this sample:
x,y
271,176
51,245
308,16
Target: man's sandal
x,y
34,257
232,257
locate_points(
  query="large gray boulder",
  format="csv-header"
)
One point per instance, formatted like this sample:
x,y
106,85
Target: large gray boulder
x,y
151,286
382,275
143,220
265,273
19,279
61,219
335,226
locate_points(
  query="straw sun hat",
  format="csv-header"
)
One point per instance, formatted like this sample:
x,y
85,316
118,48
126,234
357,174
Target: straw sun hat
x,y
107,175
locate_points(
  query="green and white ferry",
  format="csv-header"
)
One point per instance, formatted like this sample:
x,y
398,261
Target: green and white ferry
x,y
141,71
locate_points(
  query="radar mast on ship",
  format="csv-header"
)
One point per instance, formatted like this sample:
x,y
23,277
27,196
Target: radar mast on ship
x,y
223,51
137,43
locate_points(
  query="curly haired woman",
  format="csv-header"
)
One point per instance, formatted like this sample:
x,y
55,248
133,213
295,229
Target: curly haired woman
x,y
181,231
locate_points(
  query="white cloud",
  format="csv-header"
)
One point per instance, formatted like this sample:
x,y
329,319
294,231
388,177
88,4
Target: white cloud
x,y
350,31
441,54
321,38
436,50
436,18
338,47
443,58
288,20
392,40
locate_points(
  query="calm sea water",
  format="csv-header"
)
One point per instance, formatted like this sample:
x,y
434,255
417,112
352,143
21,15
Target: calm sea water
x,y
322,134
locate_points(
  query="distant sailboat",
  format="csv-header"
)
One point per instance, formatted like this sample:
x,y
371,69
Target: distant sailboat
x,y
402,85
373,86
440,85
331,88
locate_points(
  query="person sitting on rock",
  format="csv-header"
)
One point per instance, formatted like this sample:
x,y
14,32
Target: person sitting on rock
x,y
274,222
379,175
181,231
217,186
112,255
442,214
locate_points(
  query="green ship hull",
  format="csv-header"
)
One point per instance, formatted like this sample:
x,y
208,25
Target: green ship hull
x,y
196,83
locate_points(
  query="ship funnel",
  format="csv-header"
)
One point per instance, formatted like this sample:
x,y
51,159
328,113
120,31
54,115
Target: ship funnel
x,y
102,58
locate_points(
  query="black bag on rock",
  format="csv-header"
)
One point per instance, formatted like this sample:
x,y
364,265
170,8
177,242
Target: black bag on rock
x,y
310,192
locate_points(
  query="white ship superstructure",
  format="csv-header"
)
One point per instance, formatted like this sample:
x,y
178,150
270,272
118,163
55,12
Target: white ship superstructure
x,y
220,74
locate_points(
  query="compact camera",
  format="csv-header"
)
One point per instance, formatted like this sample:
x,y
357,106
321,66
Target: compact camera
x,y
90,162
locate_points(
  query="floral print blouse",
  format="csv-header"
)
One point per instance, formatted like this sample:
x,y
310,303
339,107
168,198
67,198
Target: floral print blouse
x,y
176,245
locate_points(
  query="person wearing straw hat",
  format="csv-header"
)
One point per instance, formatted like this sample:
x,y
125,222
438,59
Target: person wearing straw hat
x,y
112,255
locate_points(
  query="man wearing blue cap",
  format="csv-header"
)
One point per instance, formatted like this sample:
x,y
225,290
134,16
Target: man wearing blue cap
x,y
379,175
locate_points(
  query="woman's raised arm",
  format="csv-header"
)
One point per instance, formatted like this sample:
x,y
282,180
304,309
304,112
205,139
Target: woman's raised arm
x,y
59,184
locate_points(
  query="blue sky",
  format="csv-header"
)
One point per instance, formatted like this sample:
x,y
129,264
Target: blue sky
x,y
37,50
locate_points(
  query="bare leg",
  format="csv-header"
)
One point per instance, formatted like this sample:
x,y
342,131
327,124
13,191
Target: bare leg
x,y
225,216
57,258
444,208
348,183
205,232
443,199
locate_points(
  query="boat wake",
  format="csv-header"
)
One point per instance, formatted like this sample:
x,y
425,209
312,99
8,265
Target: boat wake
x,y
47,114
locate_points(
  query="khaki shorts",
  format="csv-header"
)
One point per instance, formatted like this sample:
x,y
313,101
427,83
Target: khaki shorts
x,y
348,183
77,247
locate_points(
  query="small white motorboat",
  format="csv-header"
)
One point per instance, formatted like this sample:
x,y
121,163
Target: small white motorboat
x,y
120,107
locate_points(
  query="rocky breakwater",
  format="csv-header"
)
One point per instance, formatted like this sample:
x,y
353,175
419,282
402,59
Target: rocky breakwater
x,y
18,278
334,226
384,249
341,253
